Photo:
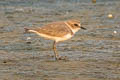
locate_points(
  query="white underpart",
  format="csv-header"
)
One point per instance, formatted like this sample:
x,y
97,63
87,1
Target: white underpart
x,y
73,30
57,39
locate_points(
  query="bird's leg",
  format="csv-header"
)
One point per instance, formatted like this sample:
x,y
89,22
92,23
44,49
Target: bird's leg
x,y
55,51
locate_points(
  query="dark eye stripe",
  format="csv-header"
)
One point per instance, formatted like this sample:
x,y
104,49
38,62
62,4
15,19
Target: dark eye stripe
x,y
76,24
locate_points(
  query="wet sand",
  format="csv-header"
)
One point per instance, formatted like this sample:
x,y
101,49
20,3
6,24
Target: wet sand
x,y
93,54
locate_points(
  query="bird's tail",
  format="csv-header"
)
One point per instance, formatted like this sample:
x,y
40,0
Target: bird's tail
x,y
26,30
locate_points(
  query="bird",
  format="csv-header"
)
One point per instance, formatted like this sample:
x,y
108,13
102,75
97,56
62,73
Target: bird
x,y
57,31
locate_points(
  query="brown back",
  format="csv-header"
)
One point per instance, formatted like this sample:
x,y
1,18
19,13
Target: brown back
x,y
57,29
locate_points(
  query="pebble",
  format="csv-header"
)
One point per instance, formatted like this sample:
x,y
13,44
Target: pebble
x,y
115,32
28,38
110,16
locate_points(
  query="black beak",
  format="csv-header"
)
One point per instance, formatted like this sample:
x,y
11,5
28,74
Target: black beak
x,y
83,28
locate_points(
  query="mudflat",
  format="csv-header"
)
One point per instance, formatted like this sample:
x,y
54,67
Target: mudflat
x,y
93,54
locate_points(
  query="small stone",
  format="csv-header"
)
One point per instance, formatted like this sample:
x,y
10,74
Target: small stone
x,y
28,42
110,16
115,32
4,62
28,38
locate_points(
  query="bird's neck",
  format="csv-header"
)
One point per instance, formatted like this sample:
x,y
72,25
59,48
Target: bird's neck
x,y
72,30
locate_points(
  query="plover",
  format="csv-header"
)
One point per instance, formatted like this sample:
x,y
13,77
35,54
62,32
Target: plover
x,y
58,31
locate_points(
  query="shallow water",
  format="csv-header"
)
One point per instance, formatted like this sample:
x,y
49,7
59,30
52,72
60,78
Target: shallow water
x,y
93,54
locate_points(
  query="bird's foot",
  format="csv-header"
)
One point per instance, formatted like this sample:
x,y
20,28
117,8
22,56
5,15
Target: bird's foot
x,y
62,58
59,58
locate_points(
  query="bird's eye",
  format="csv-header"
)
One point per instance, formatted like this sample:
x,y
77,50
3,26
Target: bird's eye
x,y
76,25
